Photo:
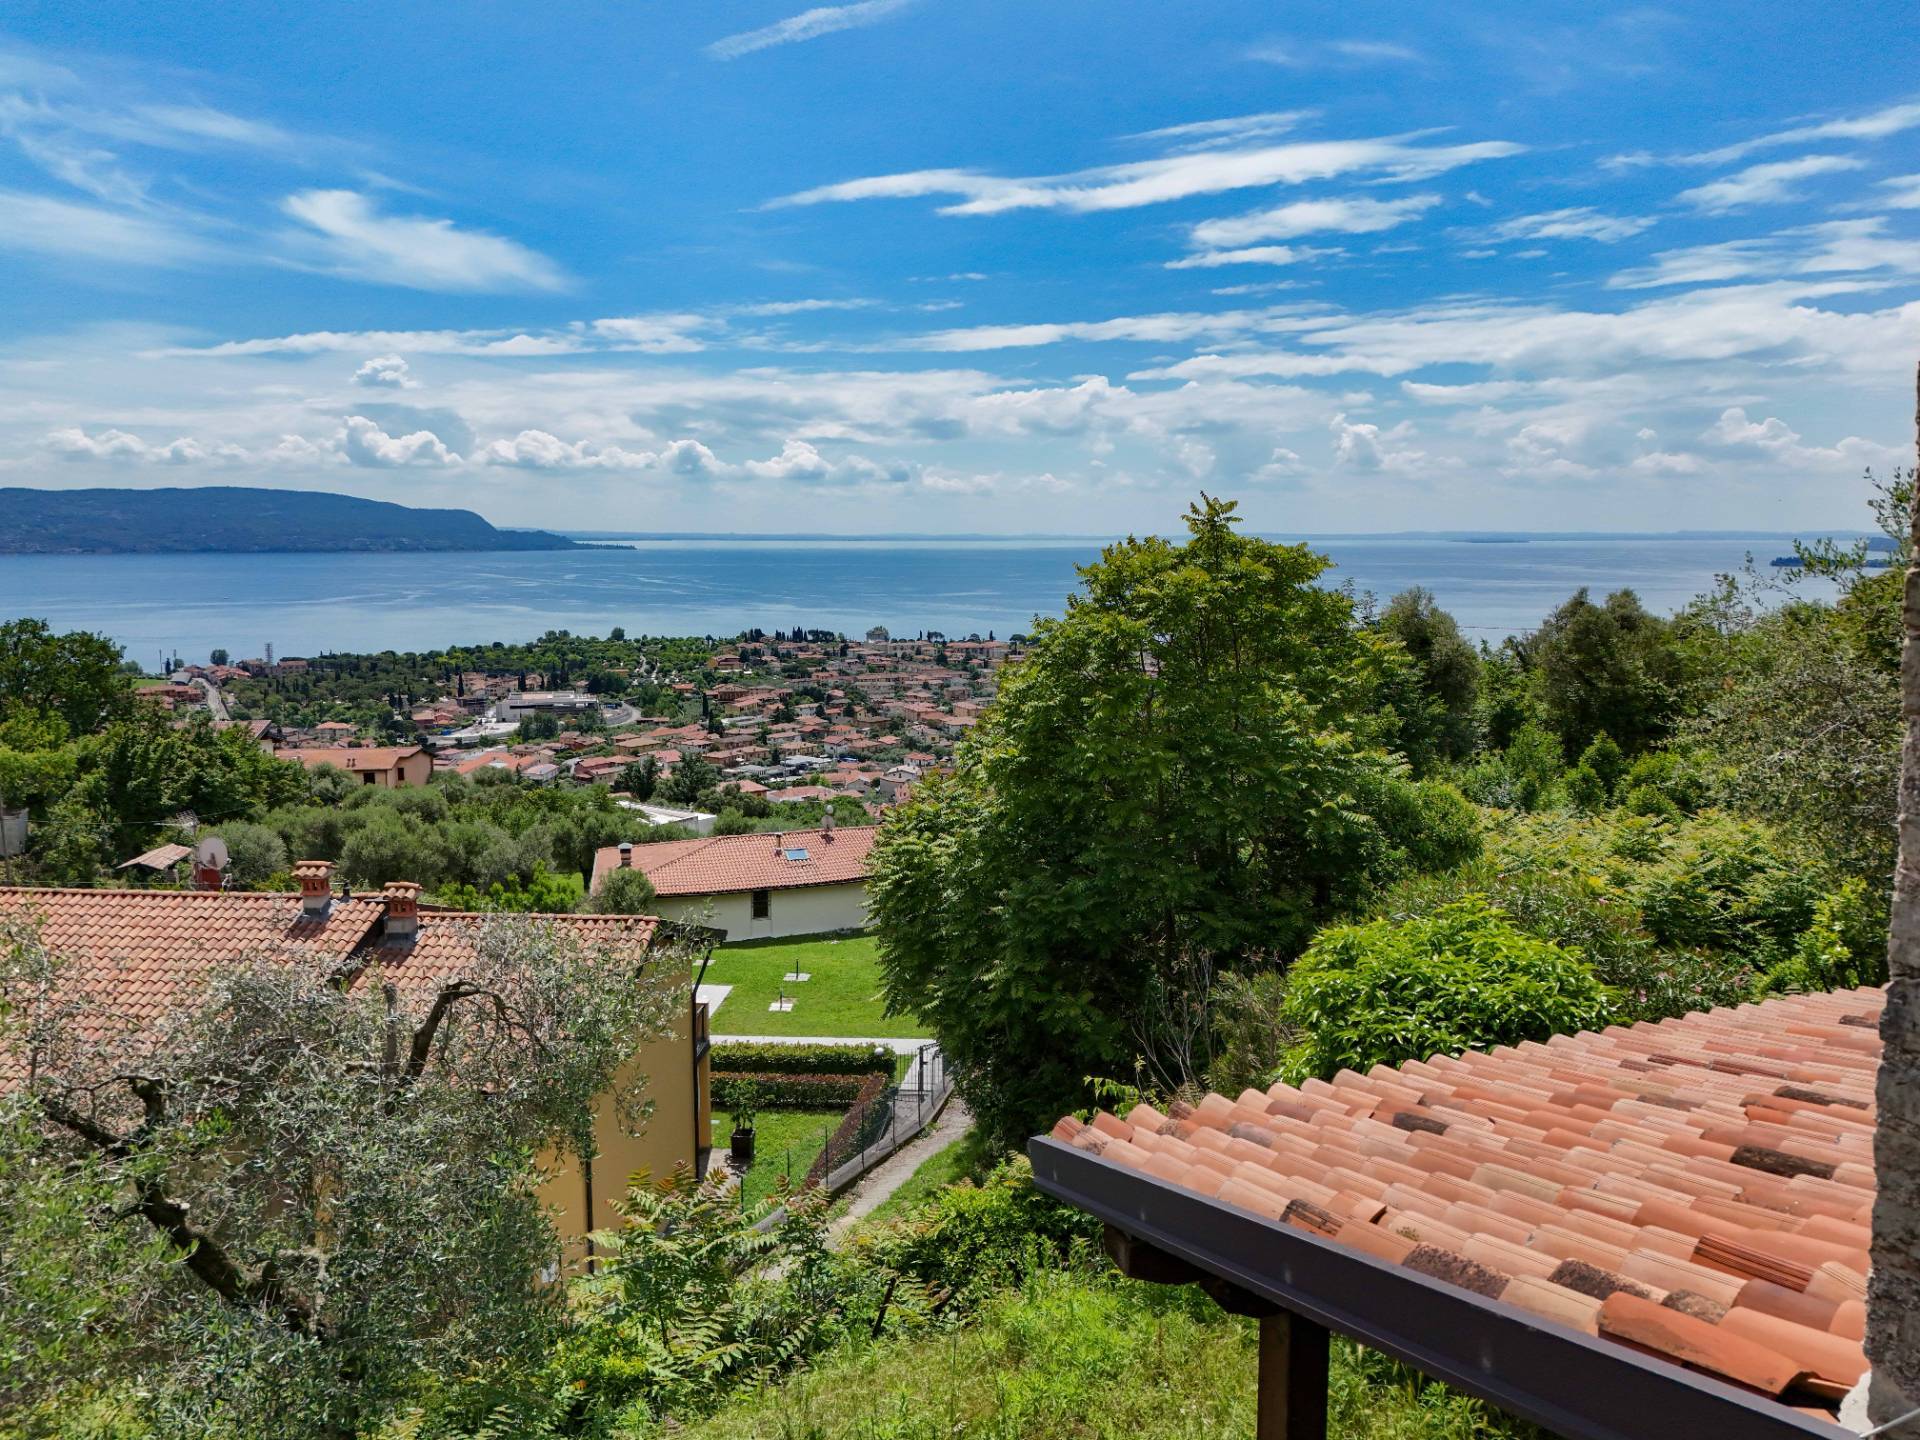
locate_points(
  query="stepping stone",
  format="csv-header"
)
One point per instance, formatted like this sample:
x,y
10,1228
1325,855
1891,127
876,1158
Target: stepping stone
x,y
796,976
781,1004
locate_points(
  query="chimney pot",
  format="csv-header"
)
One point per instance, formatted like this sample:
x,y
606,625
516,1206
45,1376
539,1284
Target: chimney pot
x,y
626,854
316,886
402,898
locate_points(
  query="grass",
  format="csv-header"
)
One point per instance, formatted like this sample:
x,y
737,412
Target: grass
x,y
842,998
785,1141
1092,1357
959,1159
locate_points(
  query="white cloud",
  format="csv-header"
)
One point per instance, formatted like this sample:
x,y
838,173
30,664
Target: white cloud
x,y
1299,55
1363,446
1204,134
1155,329
1581,222
807,25
1778,441
1346,215
74,443
385,372
538,450
365,443
1906,192
1251,255
67,230
1171,177
349,235
1834,247
1875,125
1771,183
655,334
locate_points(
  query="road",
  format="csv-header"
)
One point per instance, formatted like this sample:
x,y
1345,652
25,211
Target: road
x,y
216,702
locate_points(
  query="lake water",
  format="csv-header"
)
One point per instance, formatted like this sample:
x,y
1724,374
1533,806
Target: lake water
x,y
305,604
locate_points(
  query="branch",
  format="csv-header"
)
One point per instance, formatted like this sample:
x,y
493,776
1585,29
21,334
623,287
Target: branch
x,y
203,1255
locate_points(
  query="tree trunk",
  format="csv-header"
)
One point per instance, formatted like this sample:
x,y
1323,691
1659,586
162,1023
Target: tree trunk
x,y
1893,1294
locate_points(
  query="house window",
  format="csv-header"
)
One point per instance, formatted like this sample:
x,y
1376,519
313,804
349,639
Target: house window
x,y
762,904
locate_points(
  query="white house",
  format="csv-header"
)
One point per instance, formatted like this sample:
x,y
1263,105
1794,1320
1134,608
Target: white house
x,y
797,882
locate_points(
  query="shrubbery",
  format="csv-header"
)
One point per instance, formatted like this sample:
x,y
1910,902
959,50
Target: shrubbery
x,y
1463,979
739,1055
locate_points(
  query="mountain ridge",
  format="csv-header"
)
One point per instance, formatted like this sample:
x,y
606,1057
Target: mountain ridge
x,y
239,519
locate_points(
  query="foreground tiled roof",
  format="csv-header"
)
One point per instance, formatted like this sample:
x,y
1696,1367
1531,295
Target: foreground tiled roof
x,y
137,953
443,947
1698,1189
718,864
134,955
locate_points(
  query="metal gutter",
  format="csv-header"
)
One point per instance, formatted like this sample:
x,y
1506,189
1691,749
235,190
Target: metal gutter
x,y
1575,1385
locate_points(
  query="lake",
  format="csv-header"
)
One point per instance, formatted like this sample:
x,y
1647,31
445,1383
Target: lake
x,y
305,604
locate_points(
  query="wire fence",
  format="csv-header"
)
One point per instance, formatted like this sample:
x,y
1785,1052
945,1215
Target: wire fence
x,y
883,1118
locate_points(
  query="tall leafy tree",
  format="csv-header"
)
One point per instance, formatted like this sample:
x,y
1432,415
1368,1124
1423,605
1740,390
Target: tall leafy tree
x,y
1613,668
76,675
1169,784
1436,698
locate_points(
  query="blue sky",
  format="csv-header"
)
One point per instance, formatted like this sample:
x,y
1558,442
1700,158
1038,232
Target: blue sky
x,y
961,265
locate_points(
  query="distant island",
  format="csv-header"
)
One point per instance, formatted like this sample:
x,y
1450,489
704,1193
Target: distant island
x,y
230,519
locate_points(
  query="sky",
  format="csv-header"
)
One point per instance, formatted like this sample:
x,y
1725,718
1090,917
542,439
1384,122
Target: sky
x,y
968,266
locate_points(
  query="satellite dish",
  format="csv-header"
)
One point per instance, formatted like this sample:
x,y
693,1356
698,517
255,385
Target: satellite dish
x,y
210,854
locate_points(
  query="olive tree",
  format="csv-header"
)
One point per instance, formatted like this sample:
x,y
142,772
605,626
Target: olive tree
x,y
333,1181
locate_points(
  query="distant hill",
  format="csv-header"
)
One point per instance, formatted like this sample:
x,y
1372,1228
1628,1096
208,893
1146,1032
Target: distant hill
x,y
232,518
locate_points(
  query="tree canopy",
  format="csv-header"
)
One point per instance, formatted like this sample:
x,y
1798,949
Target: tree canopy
x,y
1178,778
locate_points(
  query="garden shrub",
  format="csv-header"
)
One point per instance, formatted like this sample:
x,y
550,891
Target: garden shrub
x,y
1844,946
796,1092
1464,978
738,1055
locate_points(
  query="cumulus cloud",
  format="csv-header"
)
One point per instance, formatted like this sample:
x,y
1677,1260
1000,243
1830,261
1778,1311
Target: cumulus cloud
x,y
1778,441
75,443
539,450
385,372
1170,177
347,233
365,443
1772,183
807,25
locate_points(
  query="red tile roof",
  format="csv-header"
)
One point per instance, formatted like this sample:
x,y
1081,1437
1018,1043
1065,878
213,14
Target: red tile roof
x,y
350,757
135,954
1700,1189
721,864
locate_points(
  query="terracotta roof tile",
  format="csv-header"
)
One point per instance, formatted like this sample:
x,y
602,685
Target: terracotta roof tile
x,y
1698,1189
718,864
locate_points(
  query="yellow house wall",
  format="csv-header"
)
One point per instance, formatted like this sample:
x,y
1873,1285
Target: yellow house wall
x,y
667,1139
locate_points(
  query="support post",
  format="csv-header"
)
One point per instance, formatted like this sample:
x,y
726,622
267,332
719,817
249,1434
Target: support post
x,y
1293,1379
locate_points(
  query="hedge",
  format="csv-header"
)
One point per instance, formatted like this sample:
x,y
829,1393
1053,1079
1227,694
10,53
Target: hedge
x,y
799,1092
745,1058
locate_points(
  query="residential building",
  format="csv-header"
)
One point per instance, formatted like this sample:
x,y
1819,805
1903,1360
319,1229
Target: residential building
x,y
133,956
390,765
797,882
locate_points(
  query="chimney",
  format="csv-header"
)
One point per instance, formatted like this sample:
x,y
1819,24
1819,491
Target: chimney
x,y
626,854
826,825
402,898
316,887
207,877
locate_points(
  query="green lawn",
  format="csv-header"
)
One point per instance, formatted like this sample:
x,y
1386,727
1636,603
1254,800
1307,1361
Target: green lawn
x,y
842,998
785,1141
